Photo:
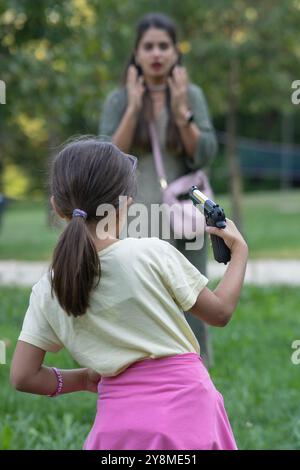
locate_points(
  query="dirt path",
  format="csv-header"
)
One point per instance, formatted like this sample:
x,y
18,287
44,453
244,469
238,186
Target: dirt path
x,y
260,272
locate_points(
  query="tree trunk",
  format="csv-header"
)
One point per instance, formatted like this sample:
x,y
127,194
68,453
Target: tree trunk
x,y
286,167
231,146
53,144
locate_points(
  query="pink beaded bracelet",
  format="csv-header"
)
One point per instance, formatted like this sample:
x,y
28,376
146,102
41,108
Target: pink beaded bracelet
x,y
60,382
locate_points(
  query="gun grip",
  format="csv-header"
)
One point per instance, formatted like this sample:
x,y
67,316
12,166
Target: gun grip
x,y
221,251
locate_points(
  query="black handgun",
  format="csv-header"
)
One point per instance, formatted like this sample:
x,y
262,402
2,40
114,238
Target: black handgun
x,y
215,217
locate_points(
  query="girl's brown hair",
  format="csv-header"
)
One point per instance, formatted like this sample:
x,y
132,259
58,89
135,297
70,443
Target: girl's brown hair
x,y
85,174
141,137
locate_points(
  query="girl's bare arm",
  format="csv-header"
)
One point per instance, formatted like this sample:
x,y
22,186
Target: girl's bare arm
x,y
216,307
28,374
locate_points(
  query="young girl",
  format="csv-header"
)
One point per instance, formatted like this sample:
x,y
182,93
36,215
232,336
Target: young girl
x,y
117,306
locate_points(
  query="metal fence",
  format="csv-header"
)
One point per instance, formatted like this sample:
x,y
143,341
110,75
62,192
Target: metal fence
x,y
261,159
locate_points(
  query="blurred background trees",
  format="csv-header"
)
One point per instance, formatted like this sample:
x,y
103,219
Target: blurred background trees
x,y
60,58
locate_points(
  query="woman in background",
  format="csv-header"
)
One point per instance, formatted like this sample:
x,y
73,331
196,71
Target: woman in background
x,y
156,87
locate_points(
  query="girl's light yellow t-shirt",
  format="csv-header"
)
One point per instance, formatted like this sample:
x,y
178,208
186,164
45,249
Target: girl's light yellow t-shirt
x,y
135,313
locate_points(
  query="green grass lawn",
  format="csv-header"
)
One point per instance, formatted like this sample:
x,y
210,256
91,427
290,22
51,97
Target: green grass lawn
x,y
26,234
253,370
271,221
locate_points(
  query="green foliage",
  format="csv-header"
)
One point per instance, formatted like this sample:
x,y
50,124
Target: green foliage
x,y
253,371
60,59
26,234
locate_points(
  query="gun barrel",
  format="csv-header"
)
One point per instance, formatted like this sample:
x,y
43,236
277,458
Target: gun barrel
x,y
198,196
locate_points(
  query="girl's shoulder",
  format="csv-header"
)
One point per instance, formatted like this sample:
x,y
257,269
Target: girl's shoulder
x,y
41,293
142,244
141,248
43,284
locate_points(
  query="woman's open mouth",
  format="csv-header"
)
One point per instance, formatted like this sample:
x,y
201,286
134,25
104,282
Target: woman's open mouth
x,y
156,66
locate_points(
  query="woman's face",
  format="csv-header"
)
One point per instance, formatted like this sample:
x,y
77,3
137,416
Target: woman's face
x,y
156,53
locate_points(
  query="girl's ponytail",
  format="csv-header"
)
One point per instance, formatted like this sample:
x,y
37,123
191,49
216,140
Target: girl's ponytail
x,y
84,175
76,267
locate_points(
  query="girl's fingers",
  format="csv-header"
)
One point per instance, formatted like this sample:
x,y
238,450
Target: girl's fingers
x,y
214,230
230,233
229,229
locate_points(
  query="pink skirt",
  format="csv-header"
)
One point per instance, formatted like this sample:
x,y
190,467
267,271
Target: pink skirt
x,y
168,403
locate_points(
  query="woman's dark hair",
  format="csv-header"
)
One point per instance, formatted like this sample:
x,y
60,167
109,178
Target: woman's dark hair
x,y
85,174
141,137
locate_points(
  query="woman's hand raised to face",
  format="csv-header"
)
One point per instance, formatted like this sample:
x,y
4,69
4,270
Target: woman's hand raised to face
x,y
135,89
178,83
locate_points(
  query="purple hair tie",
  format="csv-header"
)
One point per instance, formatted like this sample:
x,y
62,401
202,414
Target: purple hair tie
x,y
79,213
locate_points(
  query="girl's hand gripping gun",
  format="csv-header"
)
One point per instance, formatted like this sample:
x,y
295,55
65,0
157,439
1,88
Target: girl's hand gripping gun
x,y
215,217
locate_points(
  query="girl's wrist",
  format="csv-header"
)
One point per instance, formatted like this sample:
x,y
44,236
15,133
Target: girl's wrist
x,y
84,373
240,247
68,381
59,382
